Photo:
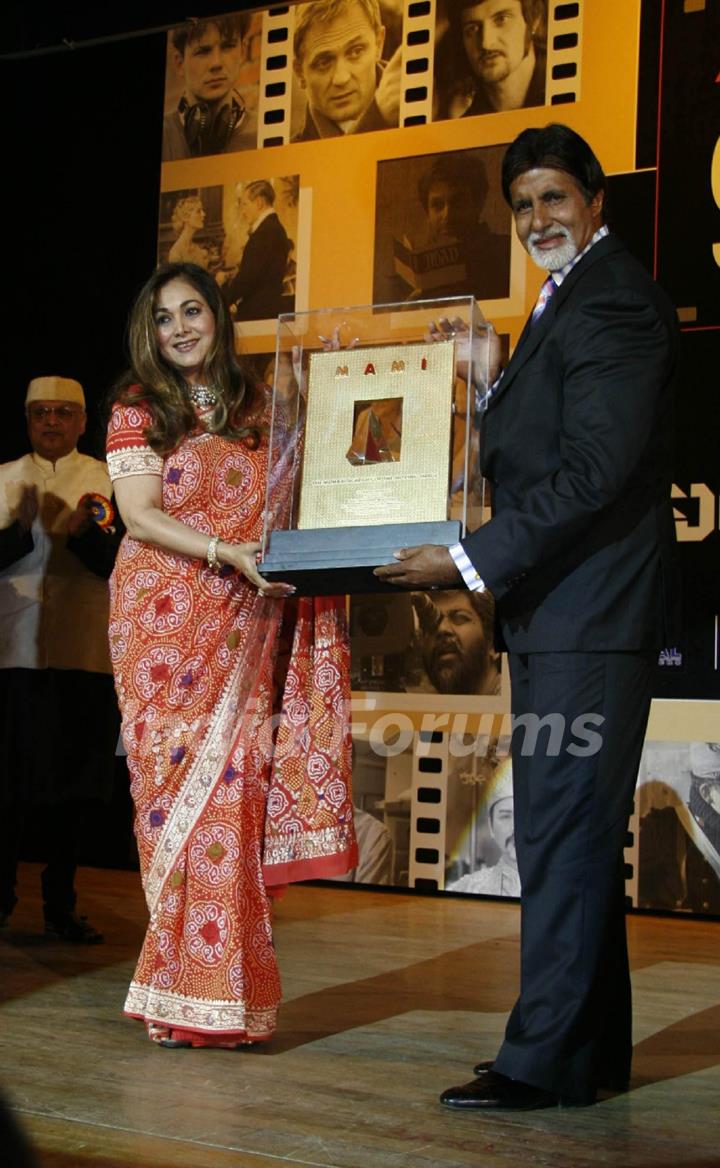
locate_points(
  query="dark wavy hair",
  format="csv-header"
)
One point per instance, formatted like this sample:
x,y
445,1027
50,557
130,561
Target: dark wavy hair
x,y
159,385
555,147
534,14
453,74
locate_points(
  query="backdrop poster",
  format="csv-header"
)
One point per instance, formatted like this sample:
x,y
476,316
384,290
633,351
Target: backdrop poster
x,y
376,131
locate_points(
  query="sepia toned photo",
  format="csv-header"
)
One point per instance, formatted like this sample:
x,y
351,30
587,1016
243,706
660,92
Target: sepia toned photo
x,y
679,847
490,56
347,66
425,643
442,227
479,851
258,276
480,826
211,86
244,234
191,228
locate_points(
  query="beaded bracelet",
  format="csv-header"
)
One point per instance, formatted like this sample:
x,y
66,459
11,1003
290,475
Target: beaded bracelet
x,y
212,556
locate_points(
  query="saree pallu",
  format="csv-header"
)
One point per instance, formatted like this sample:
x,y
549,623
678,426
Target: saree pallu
x,y
236,724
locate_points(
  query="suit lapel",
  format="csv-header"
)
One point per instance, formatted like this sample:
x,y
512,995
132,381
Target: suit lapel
x,y
531,336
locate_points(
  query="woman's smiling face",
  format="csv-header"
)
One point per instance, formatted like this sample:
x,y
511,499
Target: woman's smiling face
x,y
184,327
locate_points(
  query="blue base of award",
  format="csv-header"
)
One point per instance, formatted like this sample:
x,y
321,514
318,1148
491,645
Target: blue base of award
x,y
331,561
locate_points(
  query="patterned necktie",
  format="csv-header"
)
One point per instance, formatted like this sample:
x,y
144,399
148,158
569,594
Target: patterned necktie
x,y
546,292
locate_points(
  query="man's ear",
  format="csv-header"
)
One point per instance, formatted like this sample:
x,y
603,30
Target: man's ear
x,y
297,70
178,60
596,205
380,42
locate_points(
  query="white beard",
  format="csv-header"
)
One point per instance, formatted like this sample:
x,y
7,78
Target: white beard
x,y
556,257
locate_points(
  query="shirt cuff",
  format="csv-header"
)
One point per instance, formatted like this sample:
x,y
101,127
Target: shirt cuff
x,y
467,570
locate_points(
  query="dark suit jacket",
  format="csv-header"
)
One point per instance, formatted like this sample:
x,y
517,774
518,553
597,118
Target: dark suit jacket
x,y
579,550
258,285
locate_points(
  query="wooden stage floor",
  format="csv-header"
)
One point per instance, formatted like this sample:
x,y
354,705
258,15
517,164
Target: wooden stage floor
x,y
389,999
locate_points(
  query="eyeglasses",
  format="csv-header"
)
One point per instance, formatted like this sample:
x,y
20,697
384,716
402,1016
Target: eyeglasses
x,y
64,413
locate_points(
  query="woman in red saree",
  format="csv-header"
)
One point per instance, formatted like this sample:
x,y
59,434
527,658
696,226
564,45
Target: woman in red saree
x,y
234,699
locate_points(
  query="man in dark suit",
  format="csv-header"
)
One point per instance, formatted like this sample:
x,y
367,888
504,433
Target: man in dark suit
x,y
577,555
256,290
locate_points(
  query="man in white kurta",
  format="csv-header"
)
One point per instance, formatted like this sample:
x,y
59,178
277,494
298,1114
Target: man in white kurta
x,y
58,720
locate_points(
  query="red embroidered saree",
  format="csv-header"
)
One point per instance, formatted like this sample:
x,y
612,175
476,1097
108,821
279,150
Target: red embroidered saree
x,y
236,725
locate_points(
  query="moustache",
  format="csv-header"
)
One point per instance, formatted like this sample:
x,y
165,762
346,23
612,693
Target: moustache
x,y
547,233
445,644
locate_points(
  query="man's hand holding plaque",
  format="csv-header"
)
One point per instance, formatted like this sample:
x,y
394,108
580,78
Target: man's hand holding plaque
x,y
419,568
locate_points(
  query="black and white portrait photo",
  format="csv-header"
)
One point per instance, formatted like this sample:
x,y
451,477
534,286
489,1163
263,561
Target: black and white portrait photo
x,y
211,86
424,642
490,56
441,227
679,801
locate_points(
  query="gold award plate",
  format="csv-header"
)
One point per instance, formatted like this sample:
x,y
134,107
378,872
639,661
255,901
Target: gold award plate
x,y
377,436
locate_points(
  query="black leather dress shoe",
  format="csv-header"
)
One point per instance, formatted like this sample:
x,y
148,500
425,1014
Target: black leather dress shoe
x,y
492,1091
613,1083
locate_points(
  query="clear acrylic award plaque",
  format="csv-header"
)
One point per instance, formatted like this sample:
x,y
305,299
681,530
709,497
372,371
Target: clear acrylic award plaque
x,y
374,439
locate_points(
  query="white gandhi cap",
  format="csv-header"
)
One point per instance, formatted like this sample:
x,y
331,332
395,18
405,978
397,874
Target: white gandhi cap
x,y
55,389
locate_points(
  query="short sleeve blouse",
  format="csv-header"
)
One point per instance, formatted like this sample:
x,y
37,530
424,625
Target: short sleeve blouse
x,y
128,452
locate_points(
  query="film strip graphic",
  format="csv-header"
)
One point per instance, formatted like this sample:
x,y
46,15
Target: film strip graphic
x,y
564,53
276,77
275,105
276,70
428,810
428,819
631,855
416,102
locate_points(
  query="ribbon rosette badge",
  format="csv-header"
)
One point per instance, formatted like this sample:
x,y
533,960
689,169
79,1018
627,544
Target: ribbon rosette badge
x,y
100,508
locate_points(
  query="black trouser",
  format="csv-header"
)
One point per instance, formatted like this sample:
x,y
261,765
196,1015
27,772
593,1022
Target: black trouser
x,y
55,833
570,1029
58,730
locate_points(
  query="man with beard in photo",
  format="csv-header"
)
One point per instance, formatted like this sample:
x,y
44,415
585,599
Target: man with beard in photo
x,y
456,637
492,57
